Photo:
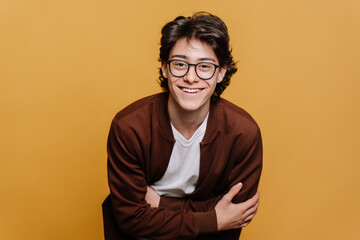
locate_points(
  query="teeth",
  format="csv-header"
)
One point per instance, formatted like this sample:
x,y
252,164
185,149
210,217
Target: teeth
x,y
189,90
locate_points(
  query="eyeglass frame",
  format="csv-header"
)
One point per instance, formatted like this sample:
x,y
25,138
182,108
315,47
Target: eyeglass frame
x,y
191,64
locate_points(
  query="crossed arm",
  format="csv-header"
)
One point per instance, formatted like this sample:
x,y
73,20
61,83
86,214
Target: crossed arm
x,y
176,218
228,215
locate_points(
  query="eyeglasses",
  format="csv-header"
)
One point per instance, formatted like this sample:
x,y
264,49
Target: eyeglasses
x,y
204,70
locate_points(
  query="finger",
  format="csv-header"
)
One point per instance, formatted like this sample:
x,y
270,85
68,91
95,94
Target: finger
x,y
244,224
249,214
150,189
233,191
250,217
251,202
251,210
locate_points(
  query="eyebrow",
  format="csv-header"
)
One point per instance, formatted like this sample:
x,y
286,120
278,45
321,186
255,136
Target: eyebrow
x,y
199,59
207,59
179,56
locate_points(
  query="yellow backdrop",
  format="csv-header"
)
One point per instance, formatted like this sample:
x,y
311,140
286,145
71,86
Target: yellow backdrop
x,y
66,68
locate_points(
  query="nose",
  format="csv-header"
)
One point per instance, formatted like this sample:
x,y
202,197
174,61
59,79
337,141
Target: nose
x,y
191,75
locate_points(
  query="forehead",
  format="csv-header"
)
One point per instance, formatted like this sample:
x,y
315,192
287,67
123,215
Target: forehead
x,y
193,50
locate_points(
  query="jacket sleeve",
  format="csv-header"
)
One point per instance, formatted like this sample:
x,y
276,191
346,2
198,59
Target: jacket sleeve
x,y
188,204
127,190
247,167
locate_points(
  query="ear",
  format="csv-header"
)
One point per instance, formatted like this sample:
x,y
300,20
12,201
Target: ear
x,y
164,67
221,75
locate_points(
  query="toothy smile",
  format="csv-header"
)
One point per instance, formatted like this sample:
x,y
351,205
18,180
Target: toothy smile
x,y
191,90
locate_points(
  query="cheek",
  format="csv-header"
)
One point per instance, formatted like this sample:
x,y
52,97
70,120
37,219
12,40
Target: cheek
x,y
214,87
171,83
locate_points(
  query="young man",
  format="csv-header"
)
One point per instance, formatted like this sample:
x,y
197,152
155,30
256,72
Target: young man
x,y
184,164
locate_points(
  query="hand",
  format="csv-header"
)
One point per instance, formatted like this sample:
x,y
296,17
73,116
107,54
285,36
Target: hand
x,y
152,197
233,216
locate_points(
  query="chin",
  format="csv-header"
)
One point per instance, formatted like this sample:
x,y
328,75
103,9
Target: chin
x,y
191,106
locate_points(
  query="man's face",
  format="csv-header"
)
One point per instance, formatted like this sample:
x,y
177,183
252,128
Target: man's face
x,y
190,93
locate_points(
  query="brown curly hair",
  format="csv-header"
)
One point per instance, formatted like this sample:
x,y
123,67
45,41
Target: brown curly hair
x,y
207,28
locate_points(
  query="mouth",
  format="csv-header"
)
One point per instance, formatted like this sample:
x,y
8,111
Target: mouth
x,y
190,90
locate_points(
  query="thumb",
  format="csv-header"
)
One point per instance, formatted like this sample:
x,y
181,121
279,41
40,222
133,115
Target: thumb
x,y
233,191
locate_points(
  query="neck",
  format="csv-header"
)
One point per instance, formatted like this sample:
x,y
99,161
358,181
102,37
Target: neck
x,y
186,122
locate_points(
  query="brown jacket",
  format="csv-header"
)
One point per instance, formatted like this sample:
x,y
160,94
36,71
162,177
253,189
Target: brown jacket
x,y
139,147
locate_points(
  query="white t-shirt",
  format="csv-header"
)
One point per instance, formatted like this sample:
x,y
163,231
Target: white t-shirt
x,y
182,172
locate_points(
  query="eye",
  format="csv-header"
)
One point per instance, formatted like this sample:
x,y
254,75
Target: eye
x,y
205,66
179,64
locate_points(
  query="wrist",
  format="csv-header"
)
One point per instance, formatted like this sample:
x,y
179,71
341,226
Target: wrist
x,y
218,220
